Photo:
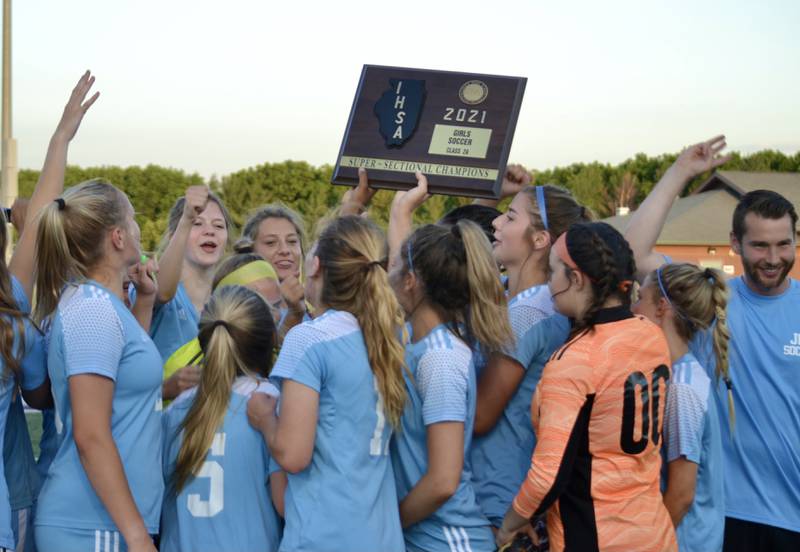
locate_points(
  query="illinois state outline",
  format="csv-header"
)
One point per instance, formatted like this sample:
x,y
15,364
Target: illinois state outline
x,y
408,100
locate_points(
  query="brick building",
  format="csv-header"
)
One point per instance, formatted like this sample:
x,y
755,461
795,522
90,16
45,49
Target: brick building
x,y
698,226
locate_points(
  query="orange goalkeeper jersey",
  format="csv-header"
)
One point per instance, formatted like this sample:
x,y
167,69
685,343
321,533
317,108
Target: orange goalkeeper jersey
x,y
598,412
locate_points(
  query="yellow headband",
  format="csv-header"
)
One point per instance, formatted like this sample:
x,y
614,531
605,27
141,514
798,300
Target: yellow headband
x,y
249,273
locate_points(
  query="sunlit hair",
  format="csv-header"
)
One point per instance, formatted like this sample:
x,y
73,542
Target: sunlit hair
x,y
461,278
353,253
69,241
561,208
231,264
699,297
237,337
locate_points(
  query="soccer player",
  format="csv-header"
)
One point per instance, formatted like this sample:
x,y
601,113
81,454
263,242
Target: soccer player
x,y
277,234
501,451
104,488
23,477
449,287
244,269
598,409
215,465
342,395
683,299
761,456
195,243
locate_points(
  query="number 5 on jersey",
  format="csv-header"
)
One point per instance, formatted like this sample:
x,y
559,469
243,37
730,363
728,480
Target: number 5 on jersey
x,y
213,472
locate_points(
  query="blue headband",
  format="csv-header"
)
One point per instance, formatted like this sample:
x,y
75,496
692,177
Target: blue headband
x,y
666,296
408,253
542,206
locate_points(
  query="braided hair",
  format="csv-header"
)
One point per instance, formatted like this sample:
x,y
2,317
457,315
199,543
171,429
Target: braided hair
x,y
603,255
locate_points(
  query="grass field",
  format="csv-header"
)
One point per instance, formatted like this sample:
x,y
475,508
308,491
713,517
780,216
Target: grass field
x,y
35,429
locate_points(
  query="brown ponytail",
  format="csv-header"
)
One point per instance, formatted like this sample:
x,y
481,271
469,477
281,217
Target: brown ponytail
x,y
12,320
461,278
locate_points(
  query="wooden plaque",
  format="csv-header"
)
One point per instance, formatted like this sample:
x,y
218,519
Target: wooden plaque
x,y
456,128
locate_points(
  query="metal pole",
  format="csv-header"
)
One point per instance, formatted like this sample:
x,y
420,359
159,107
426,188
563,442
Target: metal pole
x,y
9,170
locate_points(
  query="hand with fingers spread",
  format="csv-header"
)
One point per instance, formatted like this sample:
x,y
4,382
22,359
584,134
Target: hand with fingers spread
x,y
701,157
356,200
51,179
76,107
196,201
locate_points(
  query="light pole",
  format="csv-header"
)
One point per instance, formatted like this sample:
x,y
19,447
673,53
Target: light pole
x,y
9,170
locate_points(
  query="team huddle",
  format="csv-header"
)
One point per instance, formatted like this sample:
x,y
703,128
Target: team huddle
x,y
522,380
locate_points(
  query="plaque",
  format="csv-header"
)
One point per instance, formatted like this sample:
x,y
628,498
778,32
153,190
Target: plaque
x,y
456,128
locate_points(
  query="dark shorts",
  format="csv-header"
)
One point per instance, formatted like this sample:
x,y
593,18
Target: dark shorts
x,y
747,536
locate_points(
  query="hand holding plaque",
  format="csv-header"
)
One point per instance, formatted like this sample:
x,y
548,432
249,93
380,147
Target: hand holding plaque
x,y
456,128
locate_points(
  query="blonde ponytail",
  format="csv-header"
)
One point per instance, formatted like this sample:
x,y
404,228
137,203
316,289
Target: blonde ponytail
x,y
352,253
488,314
699,298
69,238
721,337
237,337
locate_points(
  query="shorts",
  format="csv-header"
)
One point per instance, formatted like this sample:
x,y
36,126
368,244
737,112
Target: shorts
x,y
64,539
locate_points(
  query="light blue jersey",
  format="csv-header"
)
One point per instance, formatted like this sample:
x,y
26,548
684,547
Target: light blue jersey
x,y
691,431
16,494
345,499
174,323
502,457
227,506
762,459
94,333
441,389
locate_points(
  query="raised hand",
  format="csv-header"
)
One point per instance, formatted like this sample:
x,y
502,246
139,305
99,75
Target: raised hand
x,y
405,203
516,178
356,199
76,107
196,201
701,157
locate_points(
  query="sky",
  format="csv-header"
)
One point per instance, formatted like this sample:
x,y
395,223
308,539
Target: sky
x,y
214,87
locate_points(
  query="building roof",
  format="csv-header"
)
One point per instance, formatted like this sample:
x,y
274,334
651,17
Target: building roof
x,y
741,182
704,217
